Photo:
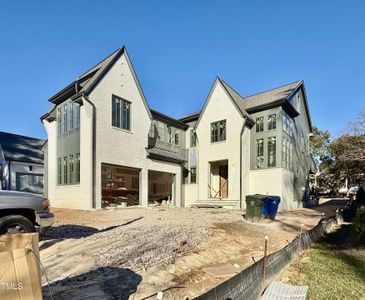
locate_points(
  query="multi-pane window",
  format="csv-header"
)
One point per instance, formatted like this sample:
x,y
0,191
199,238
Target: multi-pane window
x,y
68,169
218,131
71,169
59,120
259,124
65,118
68,117
287,154
271,152
271,122
121,113
65,174
72,115
77,164
192,175
259,153
160,131
77,109
169,135
192,138
177,138
59,171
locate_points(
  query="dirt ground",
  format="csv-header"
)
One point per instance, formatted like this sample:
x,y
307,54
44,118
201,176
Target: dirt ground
x,y
133,253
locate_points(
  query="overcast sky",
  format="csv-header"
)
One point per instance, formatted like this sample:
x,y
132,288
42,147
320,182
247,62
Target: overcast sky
x,y
179,47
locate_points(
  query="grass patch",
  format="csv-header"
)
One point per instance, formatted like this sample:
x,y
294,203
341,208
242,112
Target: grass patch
x,y
329,273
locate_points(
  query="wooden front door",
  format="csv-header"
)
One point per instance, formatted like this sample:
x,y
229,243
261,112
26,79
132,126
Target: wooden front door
x,y
223,181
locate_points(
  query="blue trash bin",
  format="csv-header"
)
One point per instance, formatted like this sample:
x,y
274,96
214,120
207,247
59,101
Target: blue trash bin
x,y
274,205
270,207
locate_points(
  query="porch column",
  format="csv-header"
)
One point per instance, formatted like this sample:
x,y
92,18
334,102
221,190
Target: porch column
x,y
143,187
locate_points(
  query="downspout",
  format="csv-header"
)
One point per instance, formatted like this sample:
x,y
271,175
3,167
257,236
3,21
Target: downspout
x,y
241,153
93,148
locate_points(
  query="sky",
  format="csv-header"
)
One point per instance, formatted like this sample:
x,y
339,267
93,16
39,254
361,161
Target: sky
x,y
179,47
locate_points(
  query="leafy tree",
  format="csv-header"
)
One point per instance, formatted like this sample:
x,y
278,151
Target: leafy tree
x,y
319,143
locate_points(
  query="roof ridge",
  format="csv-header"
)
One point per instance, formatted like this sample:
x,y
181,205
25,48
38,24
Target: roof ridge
x,y
230,87
85,73
297,81
20,135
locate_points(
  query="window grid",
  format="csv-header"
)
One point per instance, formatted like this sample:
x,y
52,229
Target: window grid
x,y
259,124
271,152
271,122
121,113
192,138
218,131
259,153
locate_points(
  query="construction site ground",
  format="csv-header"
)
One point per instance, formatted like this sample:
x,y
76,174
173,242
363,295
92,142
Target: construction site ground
x,y
134,252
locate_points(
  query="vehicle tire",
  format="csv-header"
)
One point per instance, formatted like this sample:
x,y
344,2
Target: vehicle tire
x,y
16,224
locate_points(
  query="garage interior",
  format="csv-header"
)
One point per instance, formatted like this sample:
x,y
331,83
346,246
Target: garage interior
x,y
119,185
160,187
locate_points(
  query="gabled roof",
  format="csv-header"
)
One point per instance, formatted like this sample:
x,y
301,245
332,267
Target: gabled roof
x,y
88,80
280,93
261,101
237,99
177,123
21,148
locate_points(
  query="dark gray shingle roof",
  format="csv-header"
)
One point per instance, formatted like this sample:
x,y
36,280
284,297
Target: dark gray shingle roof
x,y
276,94
87,80
169,155
21,148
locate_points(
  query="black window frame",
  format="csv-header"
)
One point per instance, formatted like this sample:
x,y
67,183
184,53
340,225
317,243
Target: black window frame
x,y
121,113
218,131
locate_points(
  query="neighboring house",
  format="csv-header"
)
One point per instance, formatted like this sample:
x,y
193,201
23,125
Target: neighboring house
x,y
21,163
106,146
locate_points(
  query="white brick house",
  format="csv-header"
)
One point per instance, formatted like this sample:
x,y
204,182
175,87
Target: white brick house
x,y
105,145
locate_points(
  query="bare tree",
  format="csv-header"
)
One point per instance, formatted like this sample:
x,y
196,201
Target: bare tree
x,y
358,126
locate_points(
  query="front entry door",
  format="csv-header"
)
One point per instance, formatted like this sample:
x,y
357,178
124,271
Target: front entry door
x,y
223,181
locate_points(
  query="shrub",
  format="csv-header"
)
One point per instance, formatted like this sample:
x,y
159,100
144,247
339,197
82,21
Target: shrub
x,y
359,224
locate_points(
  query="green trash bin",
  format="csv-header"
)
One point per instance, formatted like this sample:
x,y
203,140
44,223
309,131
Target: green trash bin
x,y
254,206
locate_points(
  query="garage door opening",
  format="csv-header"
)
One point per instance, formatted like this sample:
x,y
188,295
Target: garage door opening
x,y
160,187
119,185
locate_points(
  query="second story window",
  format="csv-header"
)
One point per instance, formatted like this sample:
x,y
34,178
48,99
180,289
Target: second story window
x,y
77,109
59,120
65,118
177,138
121,113
271,122
192,138
218,131
259,153
271,152
169,135
259,124
72,105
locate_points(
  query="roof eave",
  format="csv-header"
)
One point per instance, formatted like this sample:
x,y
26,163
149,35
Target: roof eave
x,y
169,120
164,158
64,94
